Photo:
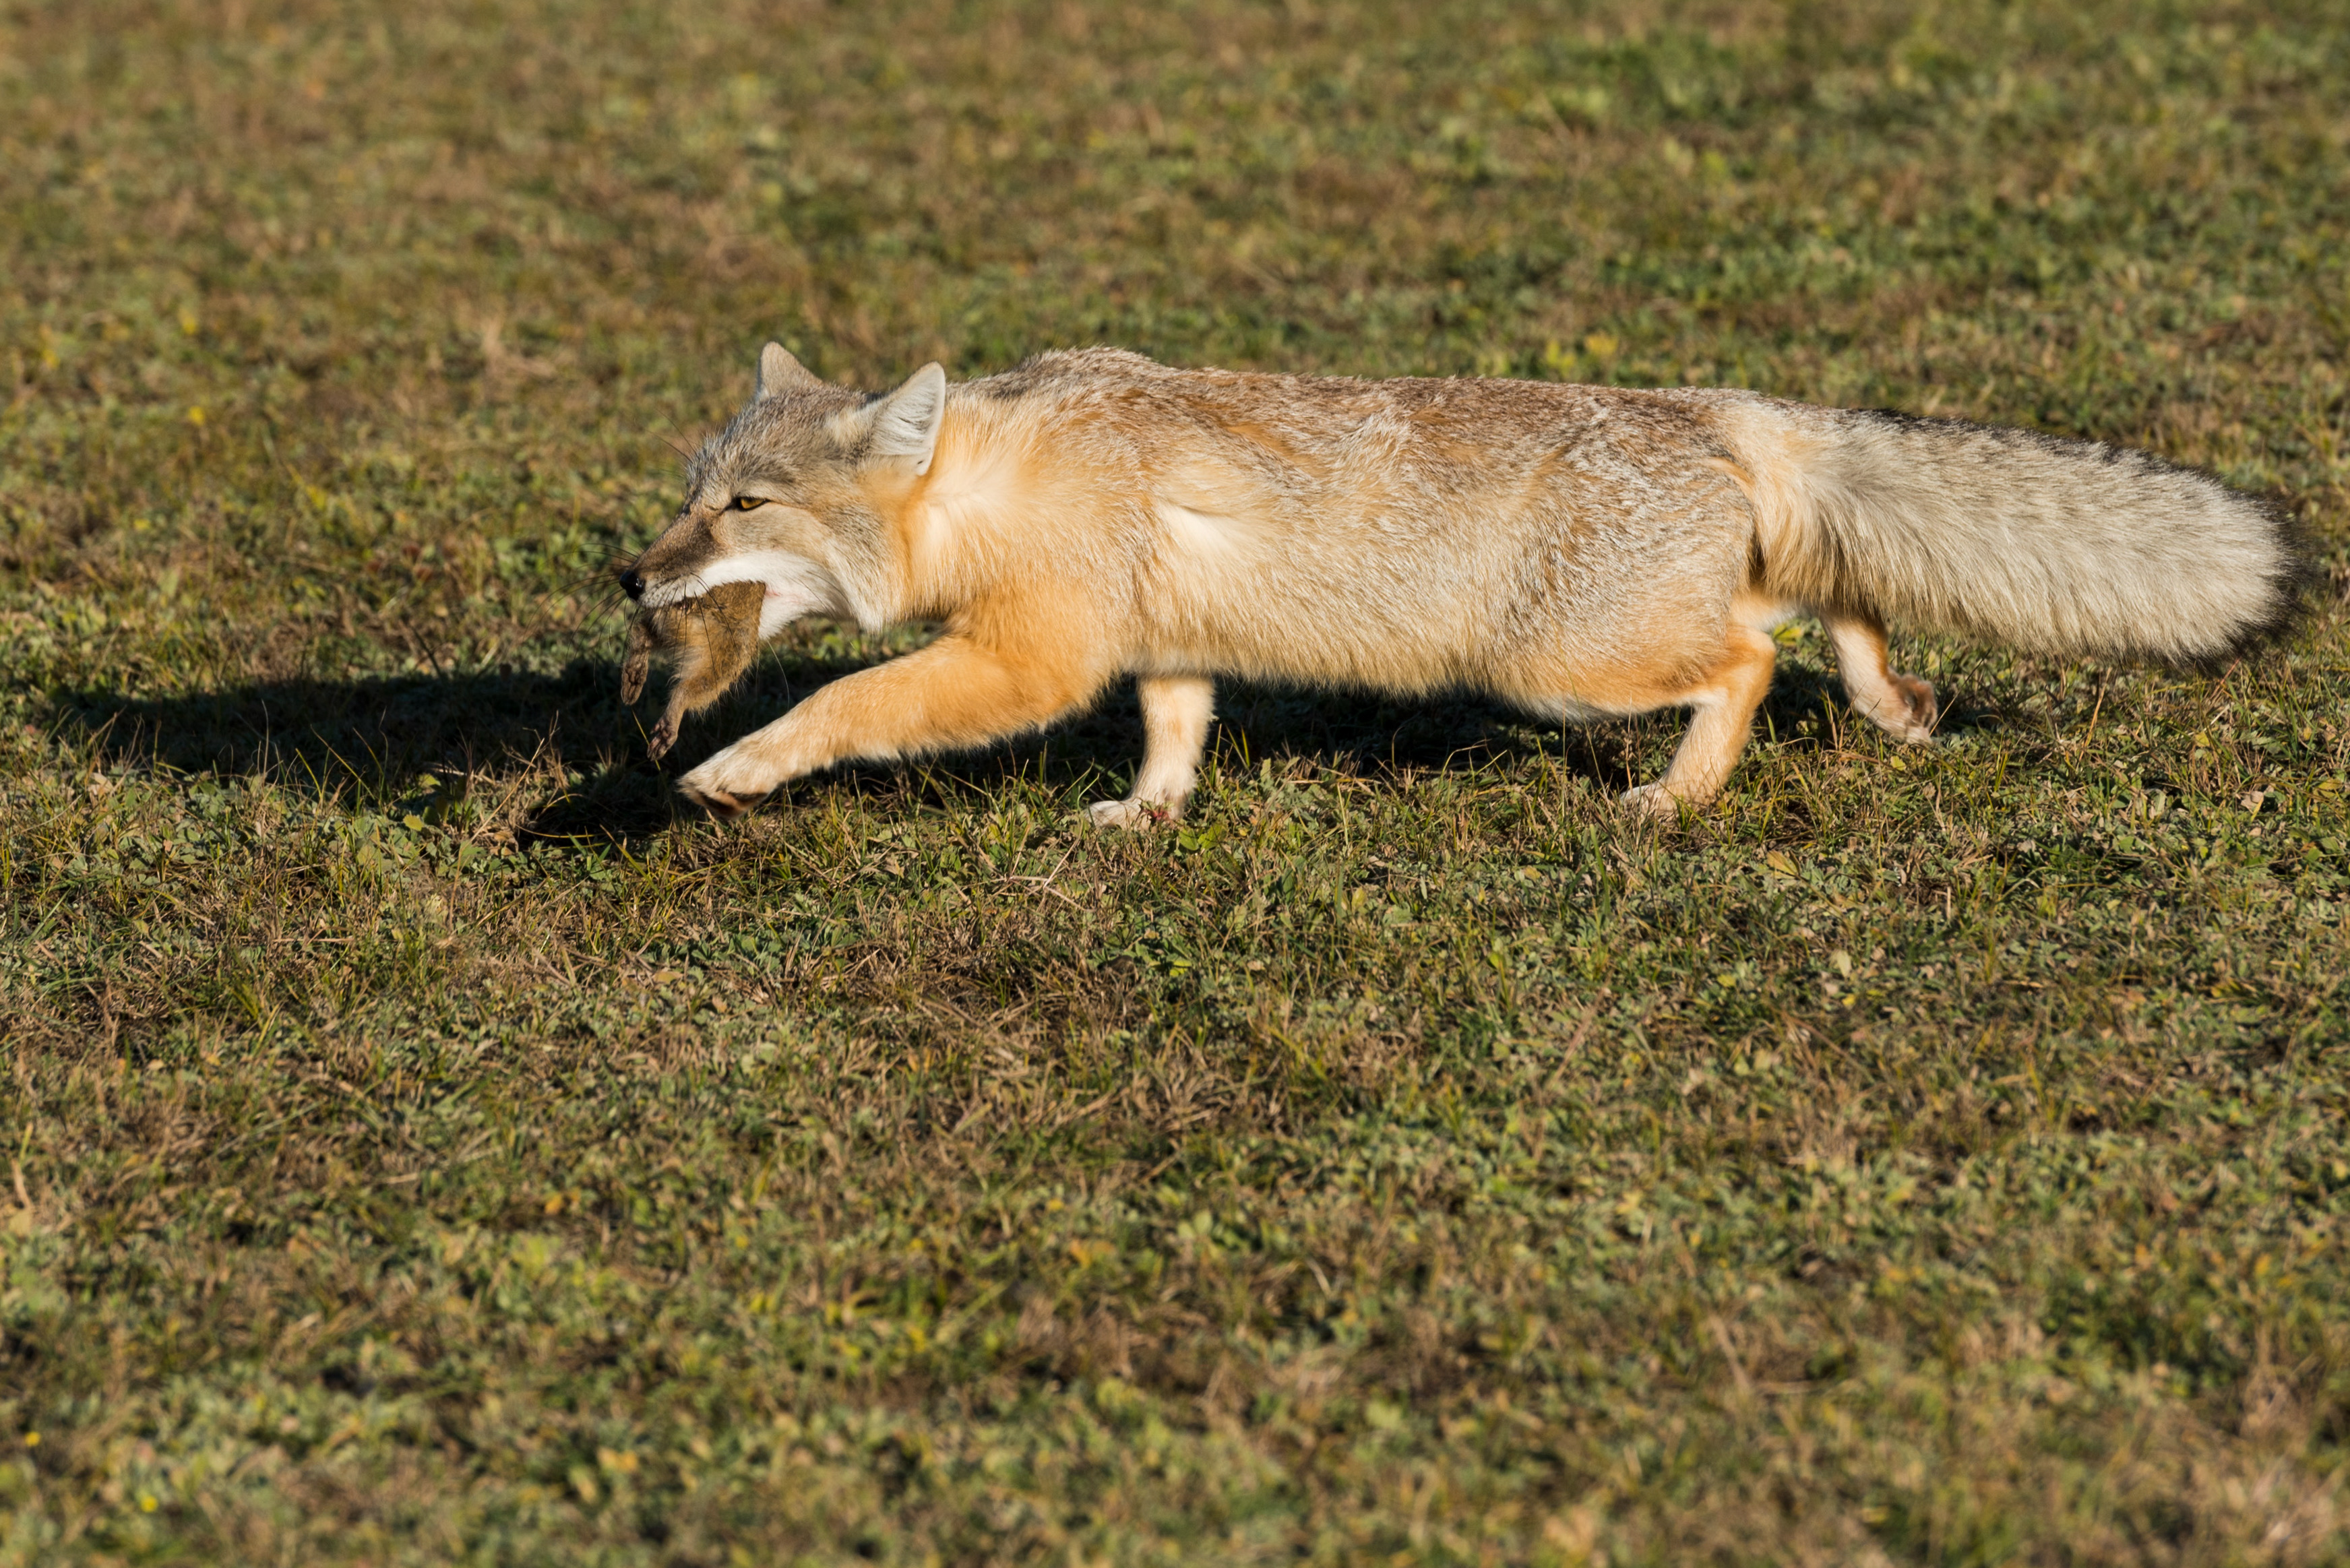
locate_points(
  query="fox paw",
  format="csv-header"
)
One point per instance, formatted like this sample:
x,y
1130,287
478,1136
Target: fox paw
x,y
1133,814
718,803
726,786
1655,802
1908,715
664,736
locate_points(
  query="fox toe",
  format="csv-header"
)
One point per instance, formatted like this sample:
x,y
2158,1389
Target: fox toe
x,y
728,783
1919,697
1131,814
718,803
1653,801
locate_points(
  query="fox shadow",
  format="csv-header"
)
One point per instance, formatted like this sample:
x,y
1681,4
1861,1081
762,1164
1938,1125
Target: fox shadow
x,y
379,740
375,741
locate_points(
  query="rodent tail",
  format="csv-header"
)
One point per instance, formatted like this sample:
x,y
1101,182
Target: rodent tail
x,y
2044,545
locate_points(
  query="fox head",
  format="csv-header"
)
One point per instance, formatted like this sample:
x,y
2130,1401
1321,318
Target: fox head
x,y
795,493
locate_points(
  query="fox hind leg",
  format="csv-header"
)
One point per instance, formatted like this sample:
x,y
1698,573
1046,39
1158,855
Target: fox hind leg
x,y
1901,705
1722,717
1175,714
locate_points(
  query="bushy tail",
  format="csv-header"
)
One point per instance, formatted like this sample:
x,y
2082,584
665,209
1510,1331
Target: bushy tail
x,y
2050,546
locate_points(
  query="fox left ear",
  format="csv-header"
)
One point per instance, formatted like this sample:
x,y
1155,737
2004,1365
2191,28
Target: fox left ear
x,y
906,422
779,371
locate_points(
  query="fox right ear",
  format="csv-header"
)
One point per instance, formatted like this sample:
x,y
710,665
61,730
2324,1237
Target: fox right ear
x,y
905,423
779,372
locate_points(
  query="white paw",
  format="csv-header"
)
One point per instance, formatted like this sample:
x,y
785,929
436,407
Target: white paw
x,y
1910,714
728,783
1901,724
1653,801
1131,813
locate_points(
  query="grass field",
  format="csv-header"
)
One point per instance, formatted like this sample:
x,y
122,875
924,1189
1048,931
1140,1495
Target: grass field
x,y
425,1143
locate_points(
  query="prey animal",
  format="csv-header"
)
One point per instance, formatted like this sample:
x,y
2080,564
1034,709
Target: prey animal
x,y
712,639
1577,551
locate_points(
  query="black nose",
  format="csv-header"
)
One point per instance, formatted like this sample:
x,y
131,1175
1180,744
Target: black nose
x,y
631,584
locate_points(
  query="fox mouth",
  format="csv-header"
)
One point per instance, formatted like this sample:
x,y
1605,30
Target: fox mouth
x,y
658,595
690,589
794,586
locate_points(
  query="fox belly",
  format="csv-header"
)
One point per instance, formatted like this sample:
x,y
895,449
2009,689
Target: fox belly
x,y
1587,594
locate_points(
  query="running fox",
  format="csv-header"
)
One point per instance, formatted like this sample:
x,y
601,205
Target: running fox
x,y
714,638
1578,551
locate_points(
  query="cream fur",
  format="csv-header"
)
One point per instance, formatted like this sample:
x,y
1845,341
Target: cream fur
x,y
1579,550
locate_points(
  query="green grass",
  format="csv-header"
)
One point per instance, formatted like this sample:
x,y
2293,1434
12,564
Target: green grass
x,y
424,1143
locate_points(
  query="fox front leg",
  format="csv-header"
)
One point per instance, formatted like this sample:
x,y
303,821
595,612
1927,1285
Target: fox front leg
x,y
955,693
1175,714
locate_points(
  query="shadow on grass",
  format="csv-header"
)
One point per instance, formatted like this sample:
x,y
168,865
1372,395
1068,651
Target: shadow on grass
x,y
368,739
371,740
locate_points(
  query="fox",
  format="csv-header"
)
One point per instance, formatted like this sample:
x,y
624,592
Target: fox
x,y
713,639
1580,552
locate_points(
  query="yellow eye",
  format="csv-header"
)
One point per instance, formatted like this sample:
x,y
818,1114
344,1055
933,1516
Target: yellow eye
x,y
748,503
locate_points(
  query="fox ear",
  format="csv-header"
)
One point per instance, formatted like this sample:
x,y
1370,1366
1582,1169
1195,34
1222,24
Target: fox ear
x,y
779,372
906,422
